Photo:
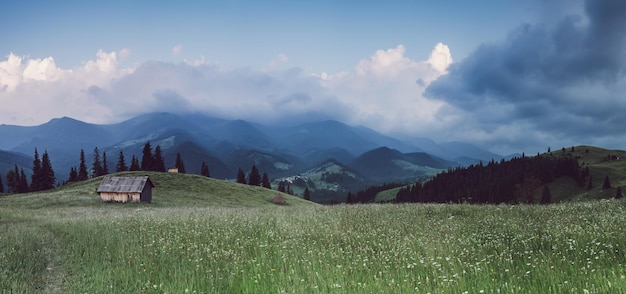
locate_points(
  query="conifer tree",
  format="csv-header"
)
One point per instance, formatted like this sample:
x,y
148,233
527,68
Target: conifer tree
x,y
48,178
12,181
23,187
307,194
147,158
180,165
589,184
121,163
266,181
134,164
254,179
241,176
546,196
204,170
105,165
97,164
281,187
82,168
158,161
607,183
73,175
1,185
36,177
350,198
618,194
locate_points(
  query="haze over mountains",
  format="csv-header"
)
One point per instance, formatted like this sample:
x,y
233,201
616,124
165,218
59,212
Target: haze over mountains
x,y
226,145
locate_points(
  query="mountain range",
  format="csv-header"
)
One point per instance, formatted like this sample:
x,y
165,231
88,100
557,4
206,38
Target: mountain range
x,y
227,145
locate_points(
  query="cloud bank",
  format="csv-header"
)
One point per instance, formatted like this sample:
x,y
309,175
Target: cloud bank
x,y
562,82
383,91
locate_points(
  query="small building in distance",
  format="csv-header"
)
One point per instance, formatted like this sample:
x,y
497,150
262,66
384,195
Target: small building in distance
x,y
126,189
172,170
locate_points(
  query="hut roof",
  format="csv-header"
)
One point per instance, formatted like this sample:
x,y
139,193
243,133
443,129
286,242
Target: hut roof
x,y
124,184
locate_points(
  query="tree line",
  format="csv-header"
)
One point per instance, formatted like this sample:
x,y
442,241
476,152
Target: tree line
x,y
43,176
515,181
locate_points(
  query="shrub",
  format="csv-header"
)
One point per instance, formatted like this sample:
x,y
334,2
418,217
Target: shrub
x,y
279,199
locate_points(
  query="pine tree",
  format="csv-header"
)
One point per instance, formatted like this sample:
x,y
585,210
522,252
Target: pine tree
x,y
146,158
1,185
281,187
105,165
11,181
134,164
180,165
121,163
97,164
23,187
546,196
266,181
307,194
36,177
158,161
73,175
350,198
48,178
204,170
82,168
254,179
607,183
618,194
241,176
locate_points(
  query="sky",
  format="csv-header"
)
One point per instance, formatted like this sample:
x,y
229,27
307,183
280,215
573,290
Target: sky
x,y
508,76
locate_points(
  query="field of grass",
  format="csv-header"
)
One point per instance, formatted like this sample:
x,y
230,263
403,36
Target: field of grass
x,y
183,244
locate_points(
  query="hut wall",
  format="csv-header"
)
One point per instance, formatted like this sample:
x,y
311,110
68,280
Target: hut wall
x,y
146,194
119,197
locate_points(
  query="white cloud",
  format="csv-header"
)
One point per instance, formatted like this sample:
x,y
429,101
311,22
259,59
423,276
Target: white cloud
x,y
177,50
381,92
124,53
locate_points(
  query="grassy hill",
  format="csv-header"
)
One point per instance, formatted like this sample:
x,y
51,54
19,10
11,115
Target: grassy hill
x,y
171,190
601,163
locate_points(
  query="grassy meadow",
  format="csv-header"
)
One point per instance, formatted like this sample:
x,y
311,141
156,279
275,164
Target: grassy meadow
x,y
193,243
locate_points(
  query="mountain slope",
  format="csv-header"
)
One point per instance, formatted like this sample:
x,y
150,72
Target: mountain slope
x,y
389,165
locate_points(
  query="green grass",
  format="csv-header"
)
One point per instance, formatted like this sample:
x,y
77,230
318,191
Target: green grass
x,y
171,190
414,248
208,236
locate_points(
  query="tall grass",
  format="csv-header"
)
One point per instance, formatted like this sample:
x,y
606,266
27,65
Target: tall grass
x,y
409,248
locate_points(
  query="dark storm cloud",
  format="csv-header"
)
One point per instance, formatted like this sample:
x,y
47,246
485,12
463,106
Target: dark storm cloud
x,y
567,79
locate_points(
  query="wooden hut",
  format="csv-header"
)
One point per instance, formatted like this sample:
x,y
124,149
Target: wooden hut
x,y
125,189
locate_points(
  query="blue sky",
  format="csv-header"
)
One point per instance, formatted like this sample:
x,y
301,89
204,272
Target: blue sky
x,y
320,36
510,76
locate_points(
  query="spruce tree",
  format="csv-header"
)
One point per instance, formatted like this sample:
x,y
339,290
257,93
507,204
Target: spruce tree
x,y
82,168
180,165
254,179
589,184
23,187
1,185
73,175
241,176
281,187
204,170
121,163
48,178
307,194
105,165
11,181
146,158
618,194
97,164
36,177
158,161
607,183
266,181
134,164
